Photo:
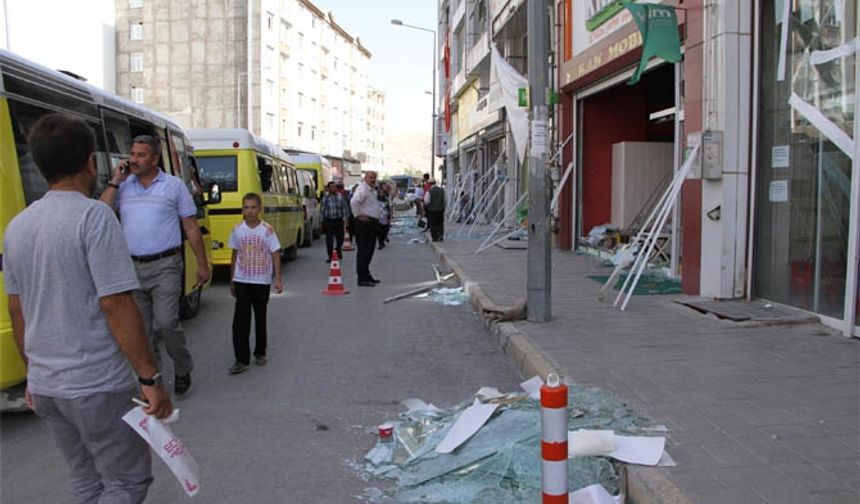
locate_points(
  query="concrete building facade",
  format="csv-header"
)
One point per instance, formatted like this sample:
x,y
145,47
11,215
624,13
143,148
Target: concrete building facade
x,y
283,69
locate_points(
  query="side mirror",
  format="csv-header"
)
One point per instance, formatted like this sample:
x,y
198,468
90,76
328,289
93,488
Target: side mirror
x,y
307,191
214,196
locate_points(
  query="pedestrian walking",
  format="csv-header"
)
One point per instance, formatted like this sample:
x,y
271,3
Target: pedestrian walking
x,y
384,215
334,211
365,208
153,206
254,266
69,278
434,202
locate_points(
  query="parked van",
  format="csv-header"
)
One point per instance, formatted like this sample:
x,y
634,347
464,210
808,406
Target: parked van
x,y
315,164
29,91
240,163
310,207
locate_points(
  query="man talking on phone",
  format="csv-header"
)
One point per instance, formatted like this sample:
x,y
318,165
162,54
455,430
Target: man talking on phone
x,y
152,206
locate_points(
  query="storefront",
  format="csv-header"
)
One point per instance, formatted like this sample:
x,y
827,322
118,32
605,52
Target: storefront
x,y
807,193
625,140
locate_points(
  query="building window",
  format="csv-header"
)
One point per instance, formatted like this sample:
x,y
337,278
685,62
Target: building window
x,y
270,20
137,94
300,129
313,132
135,4
301,100
136,31
301,40
270,89
270,121
135,62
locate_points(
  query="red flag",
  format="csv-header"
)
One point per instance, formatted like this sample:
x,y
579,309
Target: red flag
x,y
448,109
447,55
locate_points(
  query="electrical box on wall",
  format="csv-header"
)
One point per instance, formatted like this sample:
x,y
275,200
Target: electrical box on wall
x,y
712,155
710,163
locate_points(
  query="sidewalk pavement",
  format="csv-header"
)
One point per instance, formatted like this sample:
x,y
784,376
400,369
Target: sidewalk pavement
x,y
756,414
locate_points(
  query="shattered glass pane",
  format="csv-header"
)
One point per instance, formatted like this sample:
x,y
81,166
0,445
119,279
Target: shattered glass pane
x,y
501,463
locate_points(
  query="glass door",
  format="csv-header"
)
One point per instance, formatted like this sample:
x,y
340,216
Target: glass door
x,y
805,163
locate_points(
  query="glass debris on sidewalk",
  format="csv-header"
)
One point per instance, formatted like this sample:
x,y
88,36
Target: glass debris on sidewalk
x,y
448,296
501,463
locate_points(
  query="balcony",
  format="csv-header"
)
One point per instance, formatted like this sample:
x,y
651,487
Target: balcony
x,y
477,54
458,82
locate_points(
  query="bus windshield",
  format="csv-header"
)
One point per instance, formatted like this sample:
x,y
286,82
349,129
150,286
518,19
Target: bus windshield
x,y
220,170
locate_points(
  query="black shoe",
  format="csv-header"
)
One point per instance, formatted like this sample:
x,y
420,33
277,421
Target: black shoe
x,y
237,367
260,360
374,280
182,384
366,283
381,246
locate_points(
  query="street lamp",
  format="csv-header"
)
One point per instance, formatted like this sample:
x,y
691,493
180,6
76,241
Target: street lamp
x,y
398,22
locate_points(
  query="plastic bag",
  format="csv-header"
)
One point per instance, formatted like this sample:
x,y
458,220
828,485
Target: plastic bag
x,y
169,447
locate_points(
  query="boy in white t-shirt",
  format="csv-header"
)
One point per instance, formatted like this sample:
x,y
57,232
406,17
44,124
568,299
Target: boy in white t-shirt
x,y
256,257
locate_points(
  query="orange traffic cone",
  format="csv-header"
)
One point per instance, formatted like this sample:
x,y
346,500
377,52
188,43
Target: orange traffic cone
x,y
347,241
335,280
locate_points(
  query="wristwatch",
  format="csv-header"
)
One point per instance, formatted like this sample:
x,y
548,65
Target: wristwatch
x,y
151,382
113,184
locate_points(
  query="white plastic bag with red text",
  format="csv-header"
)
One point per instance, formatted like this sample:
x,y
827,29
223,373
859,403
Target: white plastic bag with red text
x,y
169,447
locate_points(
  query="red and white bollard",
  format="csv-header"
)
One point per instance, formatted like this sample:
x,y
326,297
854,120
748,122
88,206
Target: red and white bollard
x,y
553,401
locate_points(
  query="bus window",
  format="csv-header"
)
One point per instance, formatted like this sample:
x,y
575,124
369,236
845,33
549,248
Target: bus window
x,y
279,182
23,118
219,170
264,166
118,136
294,183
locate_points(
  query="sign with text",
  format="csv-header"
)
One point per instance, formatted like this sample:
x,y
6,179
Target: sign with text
x,y
605,17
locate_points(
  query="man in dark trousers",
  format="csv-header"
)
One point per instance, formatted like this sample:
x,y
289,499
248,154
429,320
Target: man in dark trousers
x,y
334,211
366,209
434,203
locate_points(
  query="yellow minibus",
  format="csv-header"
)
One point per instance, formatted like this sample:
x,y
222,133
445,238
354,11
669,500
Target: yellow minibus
x,y
240,162
29,91
317,165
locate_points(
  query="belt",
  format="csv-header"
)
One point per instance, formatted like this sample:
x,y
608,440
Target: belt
x,y
155,257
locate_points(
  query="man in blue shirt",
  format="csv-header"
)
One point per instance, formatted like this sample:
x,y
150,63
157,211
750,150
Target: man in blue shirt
x,y
69,279
152,205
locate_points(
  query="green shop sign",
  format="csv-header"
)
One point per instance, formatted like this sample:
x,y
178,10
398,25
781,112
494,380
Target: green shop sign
x,y
598,12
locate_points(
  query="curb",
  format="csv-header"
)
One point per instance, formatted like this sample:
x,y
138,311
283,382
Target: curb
x,y
645,485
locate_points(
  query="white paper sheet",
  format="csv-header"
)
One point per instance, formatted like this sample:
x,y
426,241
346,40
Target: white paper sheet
x,y
594,494
846,49
780,156
468,423
590,443
778,191
827,127
642,450
532,387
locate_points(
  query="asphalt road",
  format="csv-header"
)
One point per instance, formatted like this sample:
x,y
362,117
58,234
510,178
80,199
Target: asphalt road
x,y
293,431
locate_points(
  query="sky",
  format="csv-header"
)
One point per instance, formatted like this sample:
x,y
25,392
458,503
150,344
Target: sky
x,y
402,62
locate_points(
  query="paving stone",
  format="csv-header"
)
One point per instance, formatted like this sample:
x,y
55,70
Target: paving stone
x,y
724,389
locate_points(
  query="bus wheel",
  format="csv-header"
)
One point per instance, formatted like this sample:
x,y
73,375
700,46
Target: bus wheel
x,y
189,304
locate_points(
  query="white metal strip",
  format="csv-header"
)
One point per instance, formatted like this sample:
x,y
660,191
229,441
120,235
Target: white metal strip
x,y
553,425
851,286
783,43
754,147
554,477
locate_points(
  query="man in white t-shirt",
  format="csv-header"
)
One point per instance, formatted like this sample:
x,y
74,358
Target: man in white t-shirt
x,y
255,263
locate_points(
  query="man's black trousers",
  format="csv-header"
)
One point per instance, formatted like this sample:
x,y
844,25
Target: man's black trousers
x,y
333,229
365,239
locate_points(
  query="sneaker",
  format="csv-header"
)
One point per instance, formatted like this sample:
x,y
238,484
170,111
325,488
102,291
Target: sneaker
x,y
238,367
182,384
260,361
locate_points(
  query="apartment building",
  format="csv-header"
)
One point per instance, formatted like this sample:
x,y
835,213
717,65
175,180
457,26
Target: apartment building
x,y
284,69
375,130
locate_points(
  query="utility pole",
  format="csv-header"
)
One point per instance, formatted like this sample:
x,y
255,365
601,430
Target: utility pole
x,y
539,295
